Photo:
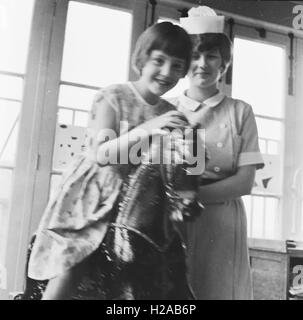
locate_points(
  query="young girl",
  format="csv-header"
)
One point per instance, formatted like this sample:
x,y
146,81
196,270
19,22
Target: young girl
x,y
76,220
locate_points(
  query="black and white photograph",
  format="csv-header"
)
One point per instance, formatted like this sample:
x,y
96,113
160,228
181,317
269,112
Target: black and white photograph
x,y
151,150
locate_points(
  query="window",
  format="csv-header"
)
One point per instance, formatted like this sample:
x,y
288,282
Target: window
x,y
92,58
15,22
262,85
297,203
92,54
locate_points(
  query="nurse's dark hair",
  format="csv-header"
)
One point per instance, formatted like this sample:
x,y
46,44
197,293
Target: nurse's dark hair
x,y
213,41
164,36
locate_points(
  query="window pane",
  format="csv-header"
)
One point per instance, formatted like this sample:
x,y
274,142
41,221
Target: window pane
x,y
271,217
75,97
273,147
262,145
9,124
257,218
92,54
81,119
5,191
11,87
259,76
15,23
269,129
65,116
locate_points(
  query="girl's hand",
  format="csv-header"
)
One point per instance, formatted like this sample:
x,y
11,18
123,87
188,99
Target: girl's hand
x,y
171,119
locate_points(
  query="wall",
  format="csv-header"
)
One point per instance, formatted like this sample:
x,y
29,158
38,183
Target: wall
x,y
278,12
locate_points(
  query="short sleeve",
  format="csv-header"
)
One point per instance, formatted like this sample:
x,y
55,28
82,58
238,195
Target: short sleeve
x,y
108,96
249,151
103,98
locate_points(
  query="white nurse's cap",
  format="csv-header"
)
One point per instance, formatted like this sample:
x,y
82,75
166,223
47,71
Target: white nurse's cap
x,y
202,19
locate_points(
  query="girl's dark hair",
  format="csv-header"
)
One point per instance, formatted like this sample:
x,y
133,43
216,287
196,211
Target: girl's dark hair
x,y
164,36
213,41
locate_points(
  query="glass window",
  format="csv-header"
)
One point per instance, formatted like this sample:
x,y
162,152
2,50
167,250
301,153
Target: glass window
x,y
65,116
5,191
9,120
269,129
257,217
92,54
262,218
76,97
265,86
11,87
261,83
92,58
15,25
262,145
81,119
271,217
273,147
297,202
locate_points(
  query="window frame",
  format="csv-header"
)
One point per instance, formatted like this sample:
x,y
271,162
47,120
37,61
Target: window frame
x,y
274,38
32,174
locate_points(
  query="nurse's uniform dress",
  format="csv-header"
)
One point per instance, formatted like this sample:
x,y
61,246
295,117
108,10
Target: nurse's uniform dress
x,y
218,258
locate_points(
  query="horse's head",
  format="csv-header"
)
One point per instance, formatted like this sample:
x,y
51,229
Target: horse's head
x,y
162,188
180,171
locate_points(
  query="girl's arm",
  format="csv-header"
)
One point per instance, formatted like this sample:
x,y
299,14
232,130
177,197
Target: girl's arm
x,y
104,135
104,125
235,186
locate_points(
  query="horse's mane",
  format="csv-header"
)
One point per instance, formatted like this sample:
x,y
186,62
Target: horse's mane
x,y
172,151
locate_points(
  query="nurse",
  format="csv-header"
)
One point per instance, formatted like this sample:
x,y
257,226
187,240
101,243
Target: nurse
x,y
217,241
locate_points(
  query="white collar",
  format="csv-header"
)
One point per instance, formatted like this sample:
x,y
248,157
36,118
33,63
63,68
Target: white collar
x,y
193,105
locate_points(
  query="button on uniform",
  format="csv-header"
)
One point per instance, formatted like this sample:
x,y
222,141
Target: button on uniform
x,y
219,144
217,169
223,125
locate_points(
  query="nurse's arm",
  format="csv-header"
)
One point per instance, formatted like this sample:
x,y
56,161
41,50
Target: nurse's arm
x,y
235,186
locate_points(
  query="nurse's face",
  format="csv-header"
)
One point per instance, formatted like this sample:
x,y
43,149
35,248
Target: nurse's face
x,y
205,69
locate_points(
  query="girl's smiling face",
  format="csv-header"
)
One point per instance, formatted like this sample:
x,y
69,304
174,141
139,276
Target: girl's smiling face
x,y
161,72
